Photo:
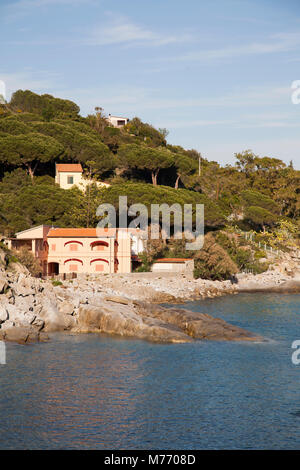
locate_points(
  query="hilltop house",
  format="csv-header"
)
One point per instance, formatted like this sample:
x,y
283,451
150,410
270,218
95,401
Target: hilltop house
x,y
2,92
81,250
71,174
117,121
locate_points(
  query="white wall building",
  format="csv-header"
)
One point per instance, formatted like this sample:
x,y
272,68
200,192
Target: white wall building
x,y
117,121
137,242
173,265
71,174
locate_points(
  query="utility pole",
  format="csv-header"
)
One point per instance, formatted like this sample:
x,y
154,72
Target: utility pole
x,y
199,158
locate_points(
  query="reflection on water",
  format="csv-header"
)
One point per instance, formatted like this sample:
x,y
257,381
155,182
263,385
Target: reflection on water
x,y
90,391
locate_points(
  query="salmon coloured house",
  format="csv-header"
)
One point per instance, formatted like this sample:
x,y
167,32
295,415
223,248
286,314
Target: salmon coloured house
x,y
81,250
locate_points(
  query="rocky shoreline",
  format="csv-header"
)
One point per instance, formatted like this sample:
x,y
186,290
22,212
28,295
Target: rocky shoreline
x,y
124,305
272,281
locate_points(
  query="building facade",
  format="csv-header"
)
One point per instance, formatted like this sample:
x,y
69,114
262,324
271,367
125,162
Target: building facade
x,y
35,240
68,175
81,250
173,265
117,121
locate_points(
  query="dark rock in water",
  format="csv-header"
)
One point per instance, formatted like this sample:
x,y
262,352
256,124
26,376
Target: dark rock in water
x,y
123,321
17,334
202,325
155,323
20,334
43,337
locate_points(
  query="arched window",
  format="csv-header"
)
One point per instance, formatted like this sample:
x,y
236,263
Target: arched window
x,y
73,264
99,264
73,259
73,241
99,259
99,245
73,245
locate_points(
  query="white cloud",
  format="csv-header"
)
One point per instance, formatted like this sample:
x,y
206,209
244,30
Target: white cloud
x,y
256,96
269,124
233,124
142,101
281,42
117,30
189,123
123,31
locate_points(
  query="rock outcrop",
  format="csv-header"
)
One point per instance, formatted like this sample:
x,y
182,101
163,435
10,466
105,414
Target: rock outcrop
x,y
31,308
125,320
198,325
28,308
270,281
155,323
125,305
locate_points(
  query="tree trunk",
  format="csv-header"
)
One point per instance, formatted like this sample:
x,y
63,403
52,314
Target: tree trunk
x,y
177,181
31,170
154,175
218,190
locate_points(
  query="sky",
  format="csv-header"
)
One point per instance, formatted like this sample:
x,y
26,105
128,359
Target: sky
x,y
217,74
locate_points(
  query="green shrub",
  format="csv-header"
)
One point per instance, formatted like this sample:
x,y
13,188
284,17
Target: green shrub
x,y
259,254
26,257
146,264
213,262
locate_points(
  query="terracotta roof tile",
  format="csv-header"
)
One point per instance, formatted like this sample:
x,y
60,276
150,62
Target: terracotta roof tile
x,y
172,260
75,167
81,232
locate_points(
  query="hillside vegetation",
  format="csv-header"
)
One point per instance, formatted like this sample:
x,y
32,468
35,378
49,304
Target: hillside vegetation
x,y
258,194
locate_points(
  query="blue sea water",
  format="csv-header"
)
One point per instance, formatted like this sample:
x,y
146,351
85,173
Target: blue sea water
x,y
97,392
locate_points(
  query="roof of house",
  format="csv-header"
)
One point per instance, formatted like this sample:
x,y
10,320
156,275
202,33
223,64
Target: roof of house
x,y
172,260
117,117
33,228
81,232
72,167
